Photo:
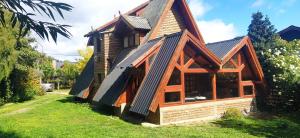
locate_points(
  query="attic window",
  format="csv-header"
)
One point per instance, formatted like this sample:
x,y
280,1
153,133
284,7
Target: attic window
x,y
131,40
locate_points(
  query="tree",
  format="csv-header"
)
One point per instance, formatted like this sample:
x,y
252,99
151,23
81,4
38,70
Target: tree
x,y
8,54
260,30
23,12
86,54
68,73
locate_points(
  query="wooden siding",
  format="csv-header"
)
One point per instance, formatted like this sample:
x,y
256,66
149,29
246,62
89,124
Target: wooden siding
x,y
110,47
173,23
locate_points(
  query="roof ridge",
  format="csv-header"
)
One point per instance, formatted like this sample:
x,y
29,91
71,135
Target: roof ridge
x,y
236,38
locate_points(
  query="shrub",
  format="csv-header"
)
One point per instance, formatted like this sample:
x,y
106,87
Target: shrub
x,y
26,84
232,113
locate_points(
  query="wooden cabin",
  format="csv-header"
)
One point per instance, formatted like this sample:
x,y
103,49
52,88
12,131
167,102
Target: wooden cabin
x,y
152,62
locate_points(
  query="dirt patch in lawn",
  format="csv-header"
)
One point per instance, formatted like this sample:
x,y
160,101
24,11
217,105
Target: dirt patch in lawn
x,y
20,111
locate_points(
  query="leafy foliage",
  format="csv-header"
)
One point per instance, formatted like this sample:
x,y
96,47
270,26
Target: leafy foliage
x,y
23,12
68,73
280,62
86,54
282,70
8,53
232,113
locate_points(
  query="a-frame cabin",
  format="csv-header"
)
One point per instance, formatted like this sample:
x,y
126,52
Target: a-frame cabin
x,y
152,62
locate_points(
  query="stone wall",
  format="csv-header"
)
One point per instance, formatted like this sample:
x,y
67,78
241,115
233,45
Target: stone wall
x,y
202,111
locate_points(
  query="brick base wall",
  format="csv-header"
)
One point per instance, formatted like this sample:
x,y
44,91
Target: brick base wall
x,y
202,111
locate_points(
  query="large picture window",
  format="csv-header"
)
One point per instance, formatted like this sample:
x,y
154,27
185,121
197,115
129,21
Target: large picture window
x,y
227,85
198,87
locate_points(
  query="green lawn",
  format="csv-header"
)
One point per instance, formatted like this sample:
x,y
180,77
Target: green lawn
x,y
56,115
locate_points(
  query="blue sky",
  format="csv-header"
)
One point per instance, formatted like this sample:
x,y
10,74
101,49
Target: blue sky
x,y
217,20
282,13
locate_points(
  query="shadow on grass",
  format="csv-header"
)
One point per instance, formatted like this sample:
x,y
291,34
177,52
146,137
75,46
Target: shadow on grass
x,y
9,134
278,127
101,109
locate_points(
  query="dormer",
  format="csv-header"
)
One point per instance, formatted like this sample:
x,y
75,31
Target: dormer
x,y
131,30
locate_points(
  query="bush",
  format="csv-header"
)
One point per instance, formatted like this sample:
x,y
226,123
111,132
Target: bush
x,y
26,84
232,113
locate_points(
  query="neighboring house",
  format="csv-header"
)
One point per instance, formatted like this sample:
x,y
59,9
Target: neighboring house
x,y
291,33
57,64
152,62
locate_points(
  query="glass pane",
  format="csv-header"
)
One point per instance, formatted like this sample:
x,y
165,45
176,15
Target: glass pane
x,y
195,65
137,39
178,61
175,77
186,58
227,85
172,97
235,58
125,42
198,87
247,73
248,90
228,65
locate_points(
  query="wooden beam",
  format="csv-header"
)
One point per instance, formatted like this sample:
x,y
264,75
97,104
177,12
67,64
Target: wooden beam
x,y
214,86
234,64
189,63
168,72
197,71
174,88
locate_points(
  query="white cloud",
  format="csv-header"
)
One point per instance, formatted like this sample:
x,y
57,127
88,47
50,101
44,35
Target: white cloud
x,y
86,14
258,3
199,8
216,30
94,13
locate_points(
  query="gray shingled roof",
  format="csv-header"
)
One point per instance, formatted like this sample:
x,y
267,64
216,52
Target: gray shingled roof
x,y
84,80
220,49
138,22
154,10
114,83
152,80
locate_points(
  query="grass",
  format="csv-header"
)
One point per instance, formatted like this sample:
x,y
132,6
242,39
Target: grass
x,y
56,115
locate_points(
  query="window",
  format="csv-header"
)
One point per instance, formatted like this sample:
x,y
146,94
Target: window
x,y
248,90
99,77
175,78
172,97
247,73
98,44
227,85
125,42
198,87
228,65
131,40
137,39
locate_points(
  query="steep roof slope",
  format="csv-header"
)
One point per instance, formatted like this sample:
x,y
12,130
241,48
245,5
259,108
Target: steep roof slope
x,y
84,80
152,80
222,48
290,33
115,82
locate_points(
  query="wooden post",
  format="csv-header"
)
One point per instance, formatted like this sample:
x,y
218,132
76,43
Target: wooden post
x,y
241,89
214,86
182,95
